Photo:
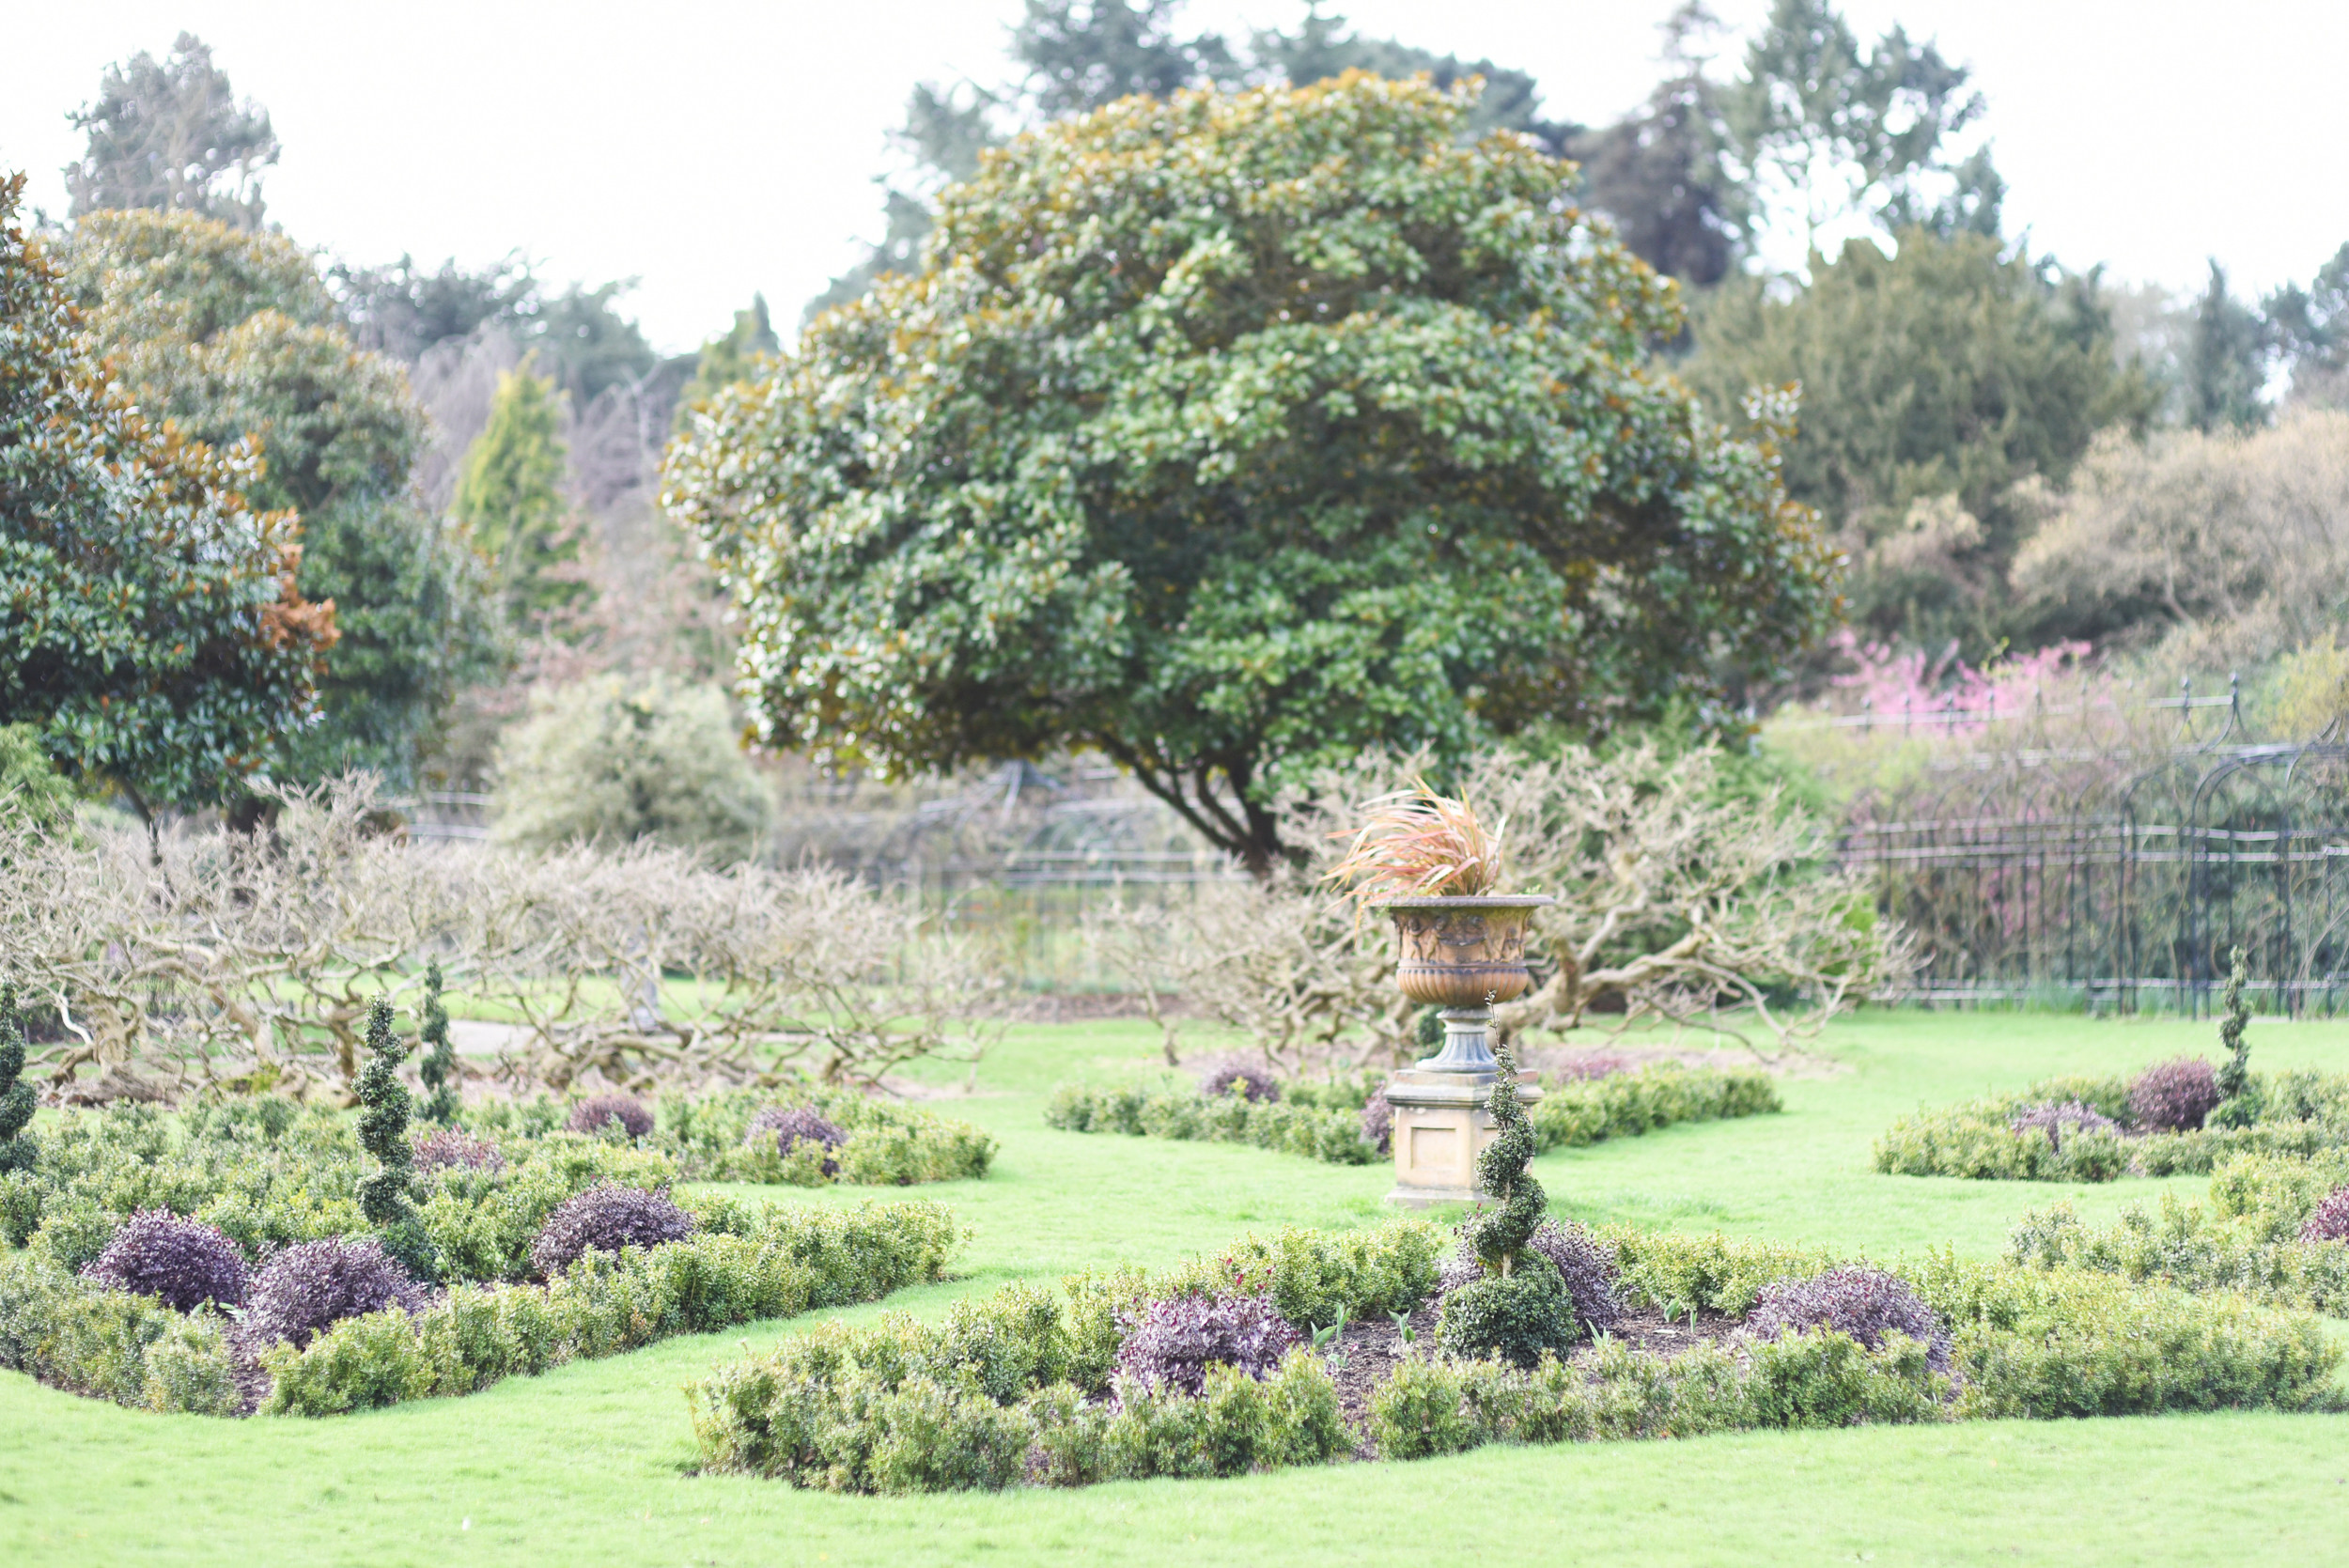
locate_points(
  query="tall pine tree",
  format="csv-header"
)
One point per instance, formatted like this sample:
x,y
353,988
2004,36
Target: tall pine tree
x,y
508,495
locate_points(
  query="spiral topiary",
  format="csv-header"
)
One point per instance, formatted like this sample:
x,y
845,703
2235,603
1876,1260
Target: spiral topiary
x,y
1248,1080
186,1264
2238,1100
1521,1306
383,1121
1585,1265
2175,1095
598,1111
311,1286
605,1219
437,1066
17,1151
788,1125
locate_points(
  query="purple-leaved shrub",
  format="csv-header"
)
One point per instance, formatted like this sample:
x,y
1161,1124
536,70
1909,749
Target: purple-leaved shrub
x,y
1379,1121
1587,1267
605,1219
2060,1121
1586,1065
313,1285
592,1114
187,1263
786,1125
454,1146
1864,1303
1171,1344
2175,1095
2330,1220
1257,1086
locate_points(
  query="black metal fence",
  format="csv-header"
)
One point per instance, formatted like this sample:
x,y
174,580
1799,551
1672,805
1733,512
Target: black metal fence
x,y
2123,881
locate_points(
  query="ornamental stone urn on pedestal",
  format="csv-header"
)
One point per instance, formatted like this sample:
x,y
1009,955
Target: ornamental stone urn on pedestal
x,y
1460,955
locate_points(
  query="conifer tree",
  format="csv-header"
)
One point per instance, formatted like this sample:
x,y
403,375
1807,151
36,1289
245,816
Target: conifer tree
x,y
509,496
16,1095
438,1065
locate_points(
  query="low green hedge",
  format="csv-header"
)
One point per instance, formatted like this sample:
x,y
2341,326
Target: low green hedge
x,y
1006,1389
743,1266
2301,1112
2247,1240
1324,1123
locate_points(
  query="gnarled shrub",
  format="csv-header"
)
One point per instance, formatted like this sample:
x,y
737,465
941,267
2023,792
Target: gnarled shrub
x,y
2330,1220
788,1125
2175,1095
605,1219
1257,1086
453,1148
303,1289
158,1254
1864,1303
2058,1121
596,1112
1171,1344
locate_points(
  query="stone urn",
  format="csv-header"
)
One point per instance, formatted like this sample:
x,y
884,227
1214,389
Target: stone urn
x,y
1462,955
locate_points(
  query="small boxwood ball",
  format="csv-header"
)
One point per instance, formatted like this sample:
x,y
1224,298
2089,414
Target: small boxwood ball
x,y
593,1113
605,1219
186,1264
1515,1317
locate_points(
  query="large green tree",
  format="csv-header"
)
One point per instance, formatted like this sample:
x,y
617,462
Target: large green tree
x,y
151,626
1932,382
233,336
1232,435
171,134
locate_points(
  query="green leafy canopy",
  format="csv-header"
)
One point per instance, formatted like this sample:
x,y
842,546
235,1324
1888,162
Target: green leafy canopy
x,y
1234,434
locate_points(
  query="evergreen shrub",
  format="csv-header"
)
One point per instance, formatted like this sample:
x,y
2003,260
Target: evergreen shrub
x,y
18,1149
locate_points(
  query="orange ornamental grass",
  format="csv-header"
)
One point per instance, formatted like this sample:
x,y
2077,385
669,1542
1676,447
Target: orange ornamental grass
x,y
1417,842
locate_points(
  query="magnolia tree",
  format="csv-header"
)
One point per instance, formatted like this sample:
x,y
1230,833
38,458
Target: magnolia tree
x,y
1233,435
210,953
1677,898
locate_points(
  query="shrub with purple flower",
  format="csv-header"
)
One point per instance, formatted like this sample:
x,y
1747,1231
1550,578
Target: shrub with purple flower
x,y
2060,1121
1379,1121
186,1264
313,1285
1864,1303
788,1125
596,1112
1255,1084
2175,1095
2330,1220
1171,1344
605,1219
453,1147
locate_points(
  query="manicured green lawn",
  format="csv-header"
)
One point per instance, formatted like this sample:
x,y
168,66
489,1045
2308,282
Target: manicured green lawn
x,y
586,1466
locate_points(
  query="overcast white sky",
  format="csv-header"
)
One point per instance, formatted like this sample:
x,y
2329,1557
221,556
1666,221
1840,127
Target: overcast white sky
x,y
714,148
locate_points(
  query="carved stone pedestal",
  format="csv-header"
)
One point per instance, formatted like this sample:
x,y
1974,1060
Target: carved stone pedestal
x,y
1440,1127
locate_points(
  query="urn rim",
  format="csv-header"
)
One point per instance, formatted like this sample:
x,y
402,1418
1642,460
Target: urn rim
x,y
1466,901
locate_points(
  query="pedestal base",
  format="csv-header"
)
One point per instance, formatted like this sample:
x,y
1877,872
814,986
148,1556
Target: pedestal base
x,y
1440,1126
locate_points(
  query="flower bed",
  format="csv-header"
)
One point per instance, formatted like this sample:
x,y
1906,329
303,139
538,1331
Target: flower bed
x,y
1326,1120
2098,1129
220,1261
1030,1387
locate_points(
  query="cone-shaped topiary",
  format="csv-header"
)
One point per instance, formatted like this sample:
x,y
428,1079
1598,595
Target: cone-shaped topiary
x,y
16,1095
437,1066
1521,1308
